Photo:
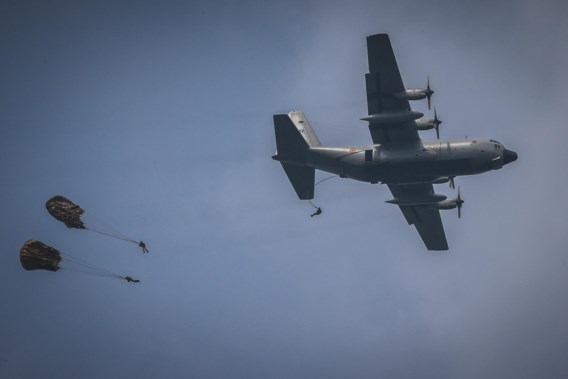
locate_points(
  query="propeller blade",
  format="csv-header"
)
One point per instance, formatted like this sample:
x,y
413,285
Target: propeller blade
x,y
459,203
452,183
429,92
437,123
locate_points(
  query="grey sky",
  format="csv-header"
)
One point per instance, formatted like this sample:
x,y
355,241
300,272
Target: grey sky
x,y
156,117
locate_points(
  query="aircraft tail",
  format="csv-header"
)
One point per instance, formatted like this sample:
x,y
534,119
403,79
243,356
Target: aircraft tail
x,y
302,179
294,135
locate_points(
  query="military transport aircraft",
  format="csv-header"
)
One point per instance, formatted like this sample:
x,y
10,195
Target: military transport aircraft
x,y
398,157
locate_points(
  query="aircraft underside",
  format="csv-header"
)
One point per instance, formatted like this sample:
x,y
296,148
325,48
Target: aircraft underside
x,y
400,170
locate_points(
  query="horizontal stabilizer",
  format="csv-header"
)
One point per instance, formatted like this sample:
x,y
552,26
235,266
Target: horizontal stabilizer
x,y
302,179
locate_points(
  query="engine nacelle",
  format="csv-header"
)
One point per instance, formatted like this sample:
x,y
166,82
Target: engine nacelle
x,y
425,124
413,94
416,93
444,205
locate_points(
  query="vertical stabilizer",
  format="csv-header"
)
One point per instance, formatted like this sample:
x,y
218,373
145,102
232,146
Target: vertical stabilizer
x,y
294,136
301,123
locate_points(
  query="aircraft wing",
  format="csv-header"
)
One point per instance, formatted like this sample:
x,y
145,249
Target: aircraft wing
x,y
383,83
426,220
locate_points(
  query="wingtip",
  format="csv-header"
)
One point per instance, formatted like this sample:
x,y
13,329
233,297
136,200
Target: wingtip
x,y
440,246
378,36
440,249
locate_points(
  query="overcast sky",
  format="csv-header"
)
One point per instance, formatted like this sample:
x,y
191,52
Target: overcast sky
x,y
156,117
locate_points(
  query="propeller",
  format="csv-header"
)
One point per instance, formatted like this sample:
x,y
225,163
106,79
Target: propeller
x,y
452,183
437,123
429,92
459,203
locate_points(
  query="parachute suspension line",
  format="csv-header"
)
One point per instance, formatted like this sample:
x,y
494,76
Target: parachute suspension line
x,y
89,271
120,237
324,179
312,204
113,231
96,269
99,270
318,209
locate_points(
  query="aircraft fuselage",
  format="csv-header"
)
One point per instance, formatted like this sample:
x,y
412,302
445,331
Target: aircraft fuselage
x,y
415,163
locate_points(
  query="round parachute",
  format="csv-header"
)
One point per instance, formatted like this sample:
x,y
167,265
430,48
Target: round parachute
x,y
66,211
35,255
69,213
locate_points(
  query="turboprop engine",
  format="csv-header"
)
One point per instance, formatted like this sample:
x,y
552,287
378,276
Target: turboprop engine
x,y
429,123
449,204
418,93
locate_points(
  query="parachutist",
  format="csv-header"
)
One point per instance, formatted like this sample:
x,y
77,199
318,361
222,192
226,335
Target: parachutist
x,y
316,213
130,279
143,246
69,213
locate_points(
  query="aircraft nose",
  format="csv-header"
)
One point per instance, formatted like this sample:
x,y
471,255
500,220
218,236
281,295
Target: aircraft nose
x,y
509,156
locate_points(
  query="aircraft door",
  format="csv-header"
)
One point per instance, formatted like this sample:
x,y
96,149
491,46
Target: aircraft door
x,y
369,156
373,156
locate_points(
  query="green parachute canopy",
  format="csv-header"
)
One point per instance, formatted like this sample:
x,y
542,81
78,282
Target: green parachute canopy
x,y
35,255
66,211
